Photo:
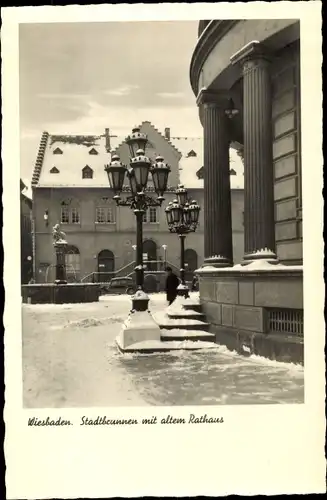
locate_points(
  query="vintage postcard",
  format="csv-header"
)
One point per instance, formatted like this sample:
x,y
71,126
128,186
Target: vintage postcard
x,y
163,269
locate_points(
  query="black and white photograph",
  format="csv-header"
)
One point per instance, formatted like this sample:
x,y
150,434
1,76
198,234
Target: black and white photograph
x,y
162,243
161,213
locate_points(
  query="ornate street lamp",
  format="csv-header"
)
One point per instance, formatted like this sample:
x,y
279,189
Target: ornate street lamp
x,y
182,218
138,200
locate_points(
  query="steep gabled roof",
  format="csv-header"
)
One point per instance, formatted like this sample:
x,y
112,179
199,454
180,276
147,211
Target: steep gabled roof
x,y
117,141
75,155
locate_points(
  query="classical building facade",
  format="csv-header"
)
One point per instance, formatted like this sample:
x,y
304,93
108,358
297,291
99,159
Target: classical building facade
x,y
245,75
26,244
71,187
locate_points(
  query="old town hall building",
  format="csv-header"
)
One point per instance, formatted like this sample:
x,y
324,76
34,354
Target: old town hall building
x,y
71,187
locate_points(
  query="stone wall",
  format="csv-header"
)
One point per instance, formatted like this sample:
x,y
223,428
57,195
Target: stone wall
x,y
286,117
60,294
238,304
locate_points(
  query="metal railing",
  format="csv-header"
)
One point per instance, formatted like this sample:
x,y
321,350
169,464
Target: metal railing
x,y
152,267
122,271
287,321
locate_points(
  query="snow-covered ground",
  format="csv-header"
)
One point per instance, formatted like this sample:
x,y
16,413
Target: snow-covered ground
x,y
70,359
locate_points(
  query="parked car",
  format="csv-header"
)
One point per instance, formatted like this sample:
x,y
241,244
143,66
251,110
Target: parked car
x,y
119,286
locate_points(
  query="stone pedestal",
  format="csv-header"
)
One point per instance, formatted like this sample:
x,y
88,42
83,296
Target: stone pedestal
x,y
140,329
218,243
259,223
60,249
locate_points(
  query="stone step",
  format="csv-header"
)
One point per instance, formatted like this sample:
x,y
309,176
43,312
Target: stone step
x,y
193,306
186,314
191,335
191,325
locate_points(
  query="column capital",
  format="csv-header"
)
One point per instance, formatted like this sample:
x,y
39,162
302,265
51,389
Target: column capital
x,y
253,51
214,98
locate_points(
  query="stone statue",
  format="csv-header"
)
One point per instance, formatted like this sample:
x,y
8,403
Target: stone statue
x,y
57,235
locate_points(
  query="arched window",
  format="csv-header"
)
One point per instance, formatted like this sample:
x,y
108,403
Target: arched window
x,y
73,263
150,254
106,265
191,259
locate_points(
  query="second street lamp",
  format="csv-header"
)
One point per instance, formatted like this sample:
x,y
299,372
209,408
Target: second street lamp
x,y
182,218
137,199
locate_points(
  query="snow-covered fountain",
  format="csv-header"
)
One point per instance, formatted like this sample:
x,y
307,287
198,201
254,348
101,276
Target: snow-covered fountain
x,y
60,292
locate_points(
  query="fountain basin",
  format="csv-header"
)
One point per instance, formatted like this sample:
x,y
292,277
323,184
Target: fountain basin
x,y
52,293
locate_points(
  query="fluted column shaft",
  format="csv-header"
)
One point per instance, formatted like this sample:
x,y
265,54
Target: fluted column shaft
x,y
259,224
218,243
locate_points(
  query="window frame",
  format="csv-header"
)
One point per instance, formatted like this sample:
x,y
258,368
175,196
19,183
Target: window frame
x,y
105,211
87,172
71,218
147,216
64,208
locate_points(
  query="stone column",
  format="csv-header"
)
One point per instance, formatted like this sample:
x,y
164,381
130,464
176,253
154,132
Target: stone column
x,y
218,242
259,223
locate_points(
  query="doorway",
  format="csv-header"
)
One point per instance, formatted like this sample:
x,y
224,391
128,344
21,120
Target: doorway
x,y
106,266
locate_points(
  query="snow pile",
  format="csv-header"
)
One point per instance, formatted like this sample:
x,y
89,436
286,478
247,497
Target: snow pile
x,y
253,265
140,295
83,323
264,252
177,307
206,269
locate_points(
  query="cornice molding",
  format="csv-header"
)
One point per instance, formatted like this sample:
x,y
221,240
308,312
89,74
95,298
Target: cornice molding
x,y
213,98
213,32
251,51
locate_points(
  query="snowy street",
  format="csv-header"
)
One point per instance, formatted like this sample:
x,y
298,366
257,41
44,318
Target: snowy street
x,y
70,359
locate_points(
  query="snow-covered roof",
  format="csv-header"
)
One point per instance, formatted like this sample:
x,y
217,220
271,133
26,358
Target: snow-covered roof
x,y
62,158
191,163
69,154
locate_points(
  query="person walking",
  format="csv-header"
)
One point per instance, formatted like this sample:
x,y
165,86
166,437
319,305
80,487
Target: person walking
x,y
172,283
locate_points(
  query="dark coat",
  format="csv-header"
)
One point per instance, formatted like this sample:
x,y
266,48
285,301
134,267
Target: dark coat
x,y
172,283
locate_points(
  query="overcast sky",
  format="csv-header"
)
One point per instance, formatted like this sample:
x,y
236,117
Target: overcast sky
x,y
82,77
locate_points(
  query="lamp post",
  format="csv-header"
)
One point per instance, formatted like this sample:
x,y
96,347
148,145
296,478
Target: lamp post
x,y
182,218
137,198
165,255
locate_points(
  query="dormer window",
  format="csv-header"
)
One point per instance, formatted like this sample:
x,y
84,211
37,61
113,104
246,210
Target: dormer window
x,y
93,152
54,170
191,153
87,172
57,151
232,172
